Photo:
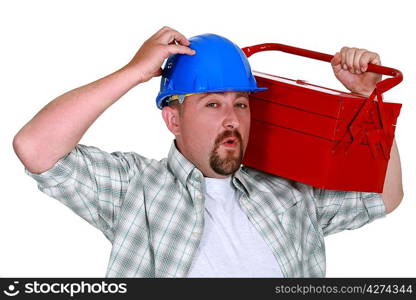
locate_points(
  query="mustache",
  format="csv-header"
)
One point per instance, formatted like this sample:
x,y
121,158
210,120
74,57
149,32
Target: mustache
x,y
227,134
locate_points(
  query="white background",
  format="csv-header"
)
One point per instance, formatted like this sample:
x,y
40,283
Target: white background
x,y
50,47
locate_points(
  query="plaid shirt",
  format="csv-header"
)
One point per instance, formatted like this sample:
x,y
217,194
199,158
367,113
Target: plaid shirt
x,y
152,211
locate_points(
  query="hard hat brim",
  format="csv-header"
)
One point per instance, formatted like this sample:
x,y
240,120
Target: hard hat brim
x,y
162,97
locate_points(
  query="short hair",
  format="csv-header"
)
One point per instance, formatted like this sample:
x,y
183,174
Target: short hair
x,y
175,104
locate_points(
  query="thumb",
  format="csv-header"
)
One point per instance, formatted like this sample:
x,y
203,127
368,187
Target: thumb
x,y
336,63
336,60
159,72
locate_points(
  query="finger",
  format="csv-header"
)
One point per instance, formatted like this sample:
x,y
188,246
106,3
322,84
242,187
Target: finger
x,y
173,35
349,59
343,57
158,33
174,49
169,35
369,57
375,59
181,39
162,30
357,58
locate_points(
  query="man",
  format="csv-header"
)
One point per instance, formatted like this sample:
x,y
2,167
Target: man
x,y
197,213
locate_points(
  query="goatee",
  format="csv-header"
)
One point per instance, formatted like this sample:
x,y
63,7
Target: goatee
x,y
231,162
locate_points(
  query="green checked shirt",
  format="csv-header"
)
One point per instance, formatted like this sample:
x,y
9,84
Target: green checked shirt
x,y
152,211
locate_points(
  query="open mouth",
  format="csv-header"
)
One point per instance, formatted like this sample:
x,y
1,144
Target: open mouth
x,y
230,142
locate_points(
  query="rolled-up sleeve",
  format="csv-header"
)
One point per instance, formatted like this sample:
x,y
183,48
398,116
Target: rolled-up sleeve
x,y
92,183
346,210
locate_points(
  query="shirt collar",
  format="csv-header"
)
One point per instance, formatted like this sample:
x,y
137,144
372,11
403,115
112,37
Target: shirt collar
x,y
240,181
180,166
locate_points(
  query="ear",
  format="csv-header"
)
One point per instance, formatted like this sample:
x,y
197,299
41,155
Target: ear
x,y
171,117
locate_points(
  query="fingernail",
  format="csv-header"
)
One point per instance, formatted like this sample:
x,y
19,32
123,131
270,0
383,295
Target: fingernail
x,y
362,69
344,66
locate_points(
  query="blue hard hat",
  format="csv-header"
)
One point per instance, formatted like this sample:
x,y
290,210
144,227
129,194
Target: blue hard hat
x,y
218,66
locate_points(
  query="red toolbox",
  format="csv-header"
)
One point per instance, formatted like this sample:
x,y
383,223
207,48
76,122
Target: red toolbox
x,y
319,136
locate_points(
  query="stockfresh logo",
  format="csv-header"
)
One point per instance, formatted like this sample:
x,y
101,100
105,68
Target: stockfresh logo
x,y
12,289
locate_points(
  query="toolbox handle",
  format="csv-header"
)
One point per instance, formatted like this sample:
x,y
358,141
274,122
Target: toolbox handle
x,y
381,86
355,130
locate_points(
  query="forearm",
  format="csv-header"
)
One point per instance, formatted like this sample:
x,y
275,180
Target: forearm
x,y
393,188
350,67
57,128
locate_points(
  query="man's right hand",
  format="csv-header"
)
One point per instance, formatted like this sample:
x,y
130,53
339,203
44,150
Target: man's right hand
x,y
148,60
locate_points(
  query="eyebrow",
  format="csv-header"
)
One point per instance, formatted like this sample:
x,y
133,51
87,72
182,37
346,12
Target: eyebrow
x,y
239,94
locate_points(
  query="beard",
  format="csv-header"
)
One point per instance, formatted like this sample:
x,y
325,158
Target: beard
x,y
232,161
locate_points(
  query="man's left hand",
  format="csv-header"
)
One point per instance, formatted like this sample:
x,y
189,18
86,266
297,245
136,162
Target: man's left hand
x,y
350,66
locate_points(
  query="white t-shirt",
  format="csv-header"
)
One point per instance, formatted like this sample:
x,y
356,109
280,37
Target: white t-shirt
x,y
230,245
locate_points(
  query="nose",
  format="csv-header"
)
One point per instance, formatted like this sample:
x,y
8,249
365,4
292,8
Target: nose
x,y
231,120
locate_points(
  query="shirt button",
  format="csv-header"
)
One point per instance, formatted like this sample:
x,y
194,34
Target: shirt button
x,y
195,234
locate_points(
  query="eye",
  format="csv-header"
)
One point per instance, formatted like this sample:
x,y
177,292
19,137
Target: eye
x,y
242,105
212,104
